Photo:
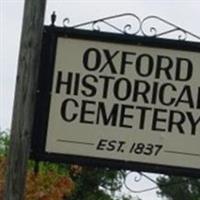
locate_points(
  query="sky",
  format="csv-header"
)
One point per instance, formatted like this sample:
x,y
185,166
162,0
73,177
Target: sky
x,y
184,13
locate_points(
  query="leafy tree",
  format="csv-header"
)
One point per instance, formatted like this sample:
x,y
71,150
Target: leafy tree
x,y
51,182
65,182
4,142
179,188
98,184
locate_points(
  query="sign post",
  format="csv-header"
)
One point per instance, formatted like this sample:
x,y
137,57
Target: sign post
x,y
119,101
25,94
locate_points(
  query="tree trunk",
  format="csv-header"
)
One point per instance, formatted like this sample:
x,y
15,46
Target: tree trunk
x,y
25,94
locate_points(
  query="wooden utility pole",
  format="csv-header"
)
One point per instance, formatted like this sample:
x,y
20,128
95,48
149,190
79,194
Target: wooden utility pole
x,y
25,95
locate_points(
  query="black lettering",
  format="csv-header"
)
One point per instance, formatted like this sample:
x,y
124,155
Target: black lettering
x,y
76,83
176,118
185,97
193,122
91,89
143,111
144,65
125,61
111,145
121,144
157,118
67,82
164,64
92,59
122,89
141,88
68,103
109,61
154,92
85,112
180,63
102,144
106,84
164,94
107,118
124,116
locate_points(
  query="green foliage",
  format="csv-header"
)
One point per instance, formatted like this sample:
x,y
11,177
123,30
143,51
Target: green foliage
x,y
4,142
98,184
90,183
46,167
179,188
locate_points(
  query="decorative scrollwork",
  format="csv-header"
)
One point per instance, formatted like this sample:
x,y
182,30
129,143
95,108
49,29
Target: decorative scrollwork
x,y
168,28
66,22
95,26
133,178
110,24
129,23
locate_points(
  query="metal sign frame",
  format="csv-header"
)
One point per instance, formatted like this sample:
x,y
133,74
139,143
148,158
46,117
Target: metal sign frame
x,y
49,43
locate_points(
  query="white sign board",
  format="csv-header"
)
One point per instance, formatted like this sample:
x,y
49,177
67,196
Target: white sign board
x,y
125,102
